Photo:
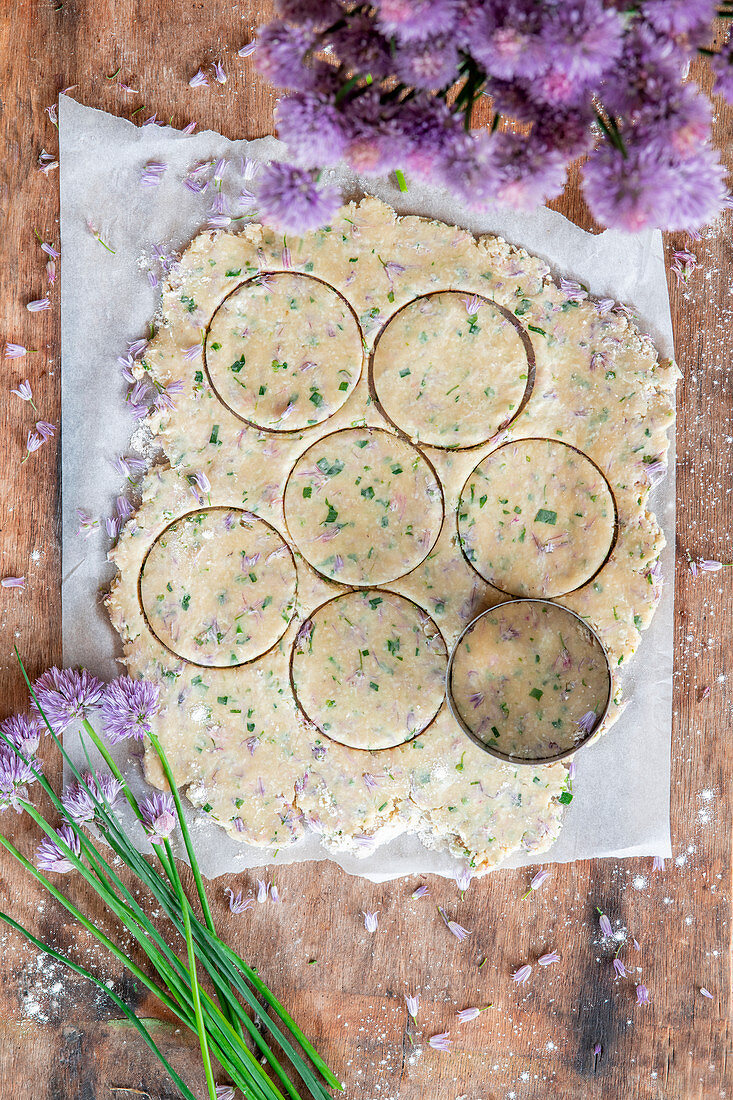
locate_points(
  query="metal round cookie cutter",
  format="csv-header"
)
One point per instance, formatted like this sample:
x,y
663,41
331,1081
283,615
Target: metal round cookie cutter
x,y
490,749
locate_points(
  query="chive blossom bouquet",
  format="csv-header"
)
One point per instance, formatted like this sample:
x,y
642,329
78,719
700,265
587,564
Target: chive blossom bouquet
x,y
239,1020
392,86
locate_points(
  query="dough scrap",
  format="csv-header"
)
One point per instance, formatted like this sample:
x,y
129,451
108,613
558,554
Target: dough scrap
x,y
235,736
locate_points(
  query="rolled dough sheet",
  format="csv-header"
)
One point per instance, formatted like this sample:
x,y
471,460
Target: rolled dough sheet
x,y
573,372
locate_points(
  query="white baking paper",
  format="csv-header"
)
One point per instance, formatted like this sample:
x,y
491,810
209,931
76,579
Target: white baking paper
x,y
621,803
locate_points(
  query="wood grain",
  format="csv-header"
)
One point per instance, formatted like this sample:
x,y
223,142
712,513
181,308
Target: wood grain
x,y
59,1040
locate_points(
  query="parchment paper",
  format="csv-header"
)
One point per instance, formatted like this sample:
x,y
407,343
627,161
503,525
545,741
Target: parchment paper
x,y
621,803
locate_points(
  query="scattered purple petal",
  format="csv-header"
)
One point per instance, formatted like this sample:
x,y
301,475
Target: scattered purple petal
x,y
521,975
413,1005
454,927
658,863
706,993
219,75
537,881
549,958
15,351
38,305
371,921
24,392
86,523
642,995
420,892
465,1015
620,969
13,582
238,904
605,925
152,173
45,429
247,50
441,1042
199,80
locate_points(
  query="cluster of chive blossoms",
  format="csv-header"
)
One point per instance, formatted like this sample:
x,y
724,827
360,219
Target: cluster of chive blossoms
x,y
63,698
391,86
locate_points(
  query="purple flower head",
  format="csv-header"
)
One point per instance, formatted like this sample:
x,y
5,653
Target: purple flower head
x,y
128,708
527,173
12,582
371,920
23,731
620,969
199,79
15,351
605,925
24,392
463,879
642,995
420,892
521,975
291,201
428,65
312,127
441,1042
66,696
454,927
51,857
582,39
281,54
158,816
309,13
465,1015
416,20
548,958
678,18
413,1005
238,904
506,39
45,429
15,774
78,804
38,305
359,45
588,721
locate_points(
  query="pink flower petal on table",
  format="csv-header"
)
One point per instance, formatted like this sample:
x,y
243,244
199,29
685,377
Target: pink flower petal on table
x,y
549,958
441,1042
413,1004
642,995
420,892
371,920
248,49
706,992
219,75
13,582
15,351
199,80
38,305
521,975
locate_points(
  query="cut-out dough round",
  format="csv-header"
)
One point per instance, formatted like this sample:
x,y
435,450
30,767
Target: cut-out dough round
x,y
363,506
450,370
284,351
351,663
536,518
218,587
530,680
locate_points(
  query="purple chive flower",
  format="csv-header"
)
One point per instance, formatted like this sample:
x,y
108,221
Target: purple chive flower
x,y
158,816
708,566
605,925
129,466
50,250
472,304
620,969
47,162
32,443
200,484
454,927
152,173
15,351
238,904
199,80
66,696
291,201
128,708
706,993
51,272
12,582
463,879
371,920
420,892
45,429
86,523
642,995
78,804
658,863
24,392
413,1004
548,958
541,877
597,1049
441,1042
587,723
224,1092
51,857
23,731
189,128
521,975
15,774
263,890
38,305
275,894
219,75
465,1015
112,526
247,50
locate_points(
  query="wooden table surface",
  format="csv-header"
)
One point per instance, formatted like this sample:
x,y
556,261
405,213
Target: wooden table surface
x,y
61,1041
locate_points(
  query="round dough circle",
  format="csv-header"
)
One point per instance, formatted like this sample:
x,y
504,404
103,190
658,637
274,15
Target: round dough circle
x,y
284,351
449,377
536,518
368,669
217,587
530,680
363,506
